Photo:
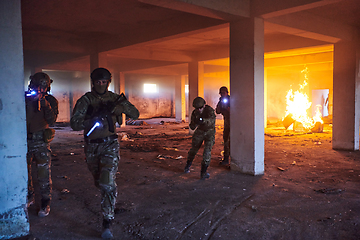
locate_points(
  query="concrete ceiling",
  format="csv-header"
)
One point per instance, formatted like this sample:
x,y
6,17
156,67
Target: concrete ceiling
x,y
134,35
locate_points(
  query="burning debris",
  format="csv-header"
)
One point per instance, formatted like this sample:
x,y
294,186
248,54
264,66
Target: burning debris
x,y
297,106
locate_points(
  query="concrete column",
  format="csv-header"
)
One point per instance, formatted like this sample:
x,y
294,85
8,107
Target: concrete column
x,y
196,84
180,109
99,60
346,100
247,95
13,171
122,90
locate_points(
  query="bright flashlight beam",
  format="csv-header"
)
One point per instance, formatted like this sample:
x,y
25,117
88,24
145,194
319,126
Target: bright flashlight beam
x,y
32,93
225,100
93,128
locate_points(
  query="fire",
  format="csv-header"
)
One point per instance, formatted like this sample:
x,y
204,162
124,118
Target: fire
x,y
318,115
297,106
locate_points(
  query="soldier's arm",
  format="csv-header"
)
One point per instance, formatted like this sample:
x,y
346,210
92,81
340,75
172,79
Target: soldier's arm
x,y
210,118
218,107
130,110
51,109
79,113
193,121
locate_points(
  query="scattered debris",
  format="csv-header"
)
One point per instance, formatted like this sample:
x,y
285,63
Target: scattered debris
x,y
136,123
125,137
179,157
170,149
329,190
253,208
65,190
281,169
317,143
293,163
65,177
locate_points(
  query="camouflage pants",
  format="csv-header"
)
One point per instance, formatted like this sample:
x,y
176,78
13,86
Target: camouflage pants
x,y
226,137
102,160
199,136
40,152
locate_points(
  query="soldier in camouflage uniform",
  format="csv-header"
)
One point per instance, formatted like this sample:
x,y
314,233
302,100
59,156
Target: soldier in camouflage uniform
x,y
41,111
96,113
203,117
223,107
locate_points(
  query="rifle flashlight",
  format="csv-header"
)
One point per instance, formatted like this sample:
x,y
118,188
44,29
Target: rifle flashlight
x,y
93,128
31,93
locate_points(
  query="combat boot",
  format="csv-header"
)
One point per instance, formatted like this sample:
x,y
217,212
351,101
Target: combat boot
x,y
187,167
107,234
225,161
45,208
204,175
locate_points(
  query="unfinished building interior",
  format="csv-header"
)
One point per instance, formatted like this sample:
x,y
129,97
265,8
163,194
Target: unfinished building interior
x,y
164,53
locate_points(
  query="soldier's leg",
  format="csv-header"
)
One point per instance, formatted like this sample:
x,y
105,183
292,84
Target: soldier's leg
x,y
108,168
226,138
109,160
197,140
43,163
208,144
92,161
30,195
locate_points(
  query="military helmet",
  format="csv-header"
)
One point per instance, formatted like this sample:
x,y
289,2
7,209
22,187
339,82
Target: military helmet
x,y
198,102
41,80
100,74
223,88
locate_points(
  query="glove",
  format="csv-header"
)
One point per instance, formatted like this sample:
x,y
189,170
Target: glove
x,y
44,103
118,110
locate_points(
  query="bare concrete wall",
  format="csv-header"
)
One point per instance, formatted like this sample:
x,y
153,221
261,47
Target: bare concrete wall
x,y
157,104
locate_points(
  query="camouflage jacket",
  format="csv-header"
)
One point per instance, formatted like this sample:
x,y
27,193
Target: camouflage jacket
x,y
92,108
224,109
208,119
40,117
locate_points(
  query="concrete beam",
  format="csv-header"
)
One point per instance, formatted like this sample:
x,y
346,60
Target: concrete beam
x,y
273,8
224,9
149,54
302,24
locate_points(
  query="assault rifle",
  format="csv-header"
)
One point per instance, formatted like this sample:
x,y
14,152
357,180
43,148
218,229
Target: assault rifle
x,y
105,112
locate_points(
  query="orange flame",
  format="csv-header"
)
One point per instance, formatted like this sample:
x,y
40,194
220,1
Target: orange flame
x,y
297,105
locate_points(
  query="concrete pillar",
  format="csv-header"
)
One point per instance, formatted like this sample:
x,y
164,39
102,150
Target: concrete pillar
x,y
247,95
13,171
122,90
346,100
196,84
180,108
99,60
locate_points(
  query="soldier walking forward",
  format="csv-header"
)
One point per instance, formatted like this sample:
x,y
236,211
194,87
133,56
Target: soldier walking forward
x,y
203,119
96,113
41,111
